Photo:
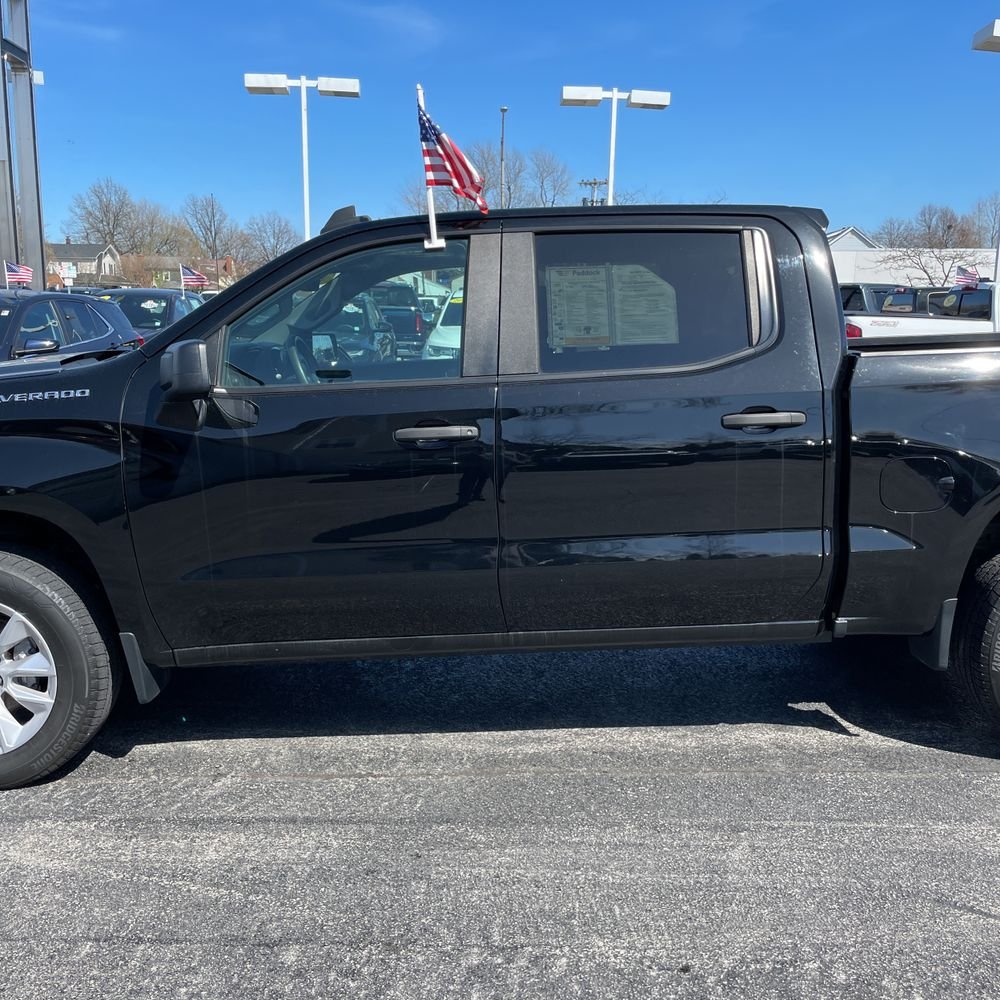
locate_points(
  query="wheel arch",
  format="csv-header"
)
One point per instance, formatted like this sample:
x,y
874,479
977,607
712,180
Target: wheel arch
x,y
65,540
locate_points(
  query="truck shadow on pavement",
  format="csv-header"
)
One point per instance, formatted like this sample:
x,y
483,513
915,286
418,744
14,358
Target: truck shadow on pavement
x,y
872,690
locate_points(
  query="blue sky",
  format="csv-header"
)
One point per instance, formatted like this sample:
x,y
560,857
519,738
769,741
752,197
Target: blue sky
x,y
849,106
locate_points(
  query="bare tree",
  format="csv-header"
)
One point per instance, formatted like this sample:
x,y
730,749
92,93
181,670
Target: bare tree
x,y
485,157
413,197
987,216
515,180
151,230
271,235
894,233
551,181
101,214
941,227
925,265
930,247
209,222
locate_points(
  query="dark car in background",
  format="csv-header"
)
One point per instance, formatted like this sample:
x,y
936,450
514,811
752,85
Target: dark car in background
x,y
401,307
362,332
54,322
150,310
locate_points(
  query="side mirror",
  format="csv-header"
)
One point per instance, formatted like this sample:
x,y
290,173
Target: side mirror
x,y
184,373
36,347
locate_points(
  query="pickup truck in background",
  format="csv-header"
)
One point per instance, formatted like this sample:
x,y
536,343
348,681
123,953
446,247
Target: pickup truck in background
x,y
861,299
401,307
933,312
864,297
653,432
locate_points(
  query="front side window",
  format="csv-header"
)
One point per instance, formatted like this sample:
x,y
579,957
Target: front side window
x,y
318,329
39,322
638,300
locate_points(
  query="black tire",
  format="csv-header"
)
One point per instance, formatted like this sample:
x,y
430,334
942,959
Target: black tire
x,y
974,672
84,672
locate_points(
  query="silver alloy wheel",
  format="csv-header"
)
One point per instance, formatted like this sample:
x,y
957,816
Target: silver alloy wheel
x,y
27,680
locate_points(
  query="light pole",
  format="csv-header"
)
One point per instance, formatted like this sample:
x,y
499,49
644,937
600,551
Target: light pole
x,y
987,39
328,86
503,117
591,97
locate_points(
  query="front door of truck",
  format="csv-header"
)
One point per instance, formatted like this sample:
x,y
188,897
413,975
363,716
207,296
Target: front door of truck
x,y
661,428
329,495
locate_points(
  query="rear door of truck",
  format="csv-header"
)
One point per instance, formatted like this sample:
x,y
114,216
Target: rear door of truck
x,y
661,426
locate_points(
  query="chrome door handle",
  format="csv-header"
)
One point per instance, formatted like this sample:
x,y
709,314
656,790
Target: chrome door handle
x,y
768,418
457,432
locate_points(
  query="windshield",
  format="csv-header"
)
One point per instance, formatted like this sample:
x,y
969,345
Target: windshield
x,y
144,312
453,314
394,295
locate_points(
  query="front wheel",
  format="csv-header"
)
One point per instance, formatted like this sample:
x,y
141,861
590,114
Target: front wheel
x,y
56,681
975,663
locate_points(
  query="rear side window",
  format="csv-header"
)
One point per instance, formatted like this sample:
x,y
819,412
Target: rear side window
x,y
640,300
852,298
976,305
899,302
82,323
968,305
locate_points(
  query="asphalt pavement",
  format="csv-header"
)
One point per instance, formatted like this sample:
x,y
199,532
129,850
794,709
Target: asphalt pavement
x,y
717,823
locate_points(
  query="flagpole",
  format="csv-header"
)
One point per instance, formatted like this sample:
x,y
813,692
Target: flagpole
x,y
435,242
6,280
180,267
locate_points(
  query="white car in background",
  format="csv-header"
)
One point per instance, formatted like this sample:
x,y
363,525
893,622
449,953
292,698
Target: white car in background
x,y
954,311
445,339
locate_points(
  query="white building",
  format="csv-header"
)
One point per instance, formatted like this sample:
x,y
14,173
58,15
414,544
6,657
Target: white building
x,y
857,257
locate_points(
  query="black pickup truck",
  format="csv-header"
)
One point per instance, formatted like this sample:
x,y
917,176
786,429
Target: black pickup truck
x,y
654,433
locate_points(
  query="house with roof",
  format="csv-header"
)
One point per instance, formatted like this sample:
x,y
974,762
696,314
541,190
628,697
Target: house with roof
x,y
851,238
83,264
164,271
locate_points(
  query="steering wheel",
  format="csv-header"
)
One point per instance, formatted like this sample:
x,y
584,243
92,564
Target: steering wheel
x,y
303,361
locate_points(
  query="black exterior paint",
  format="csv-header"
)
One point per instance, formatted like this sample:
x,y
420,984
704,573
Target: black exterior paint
x,y
599,510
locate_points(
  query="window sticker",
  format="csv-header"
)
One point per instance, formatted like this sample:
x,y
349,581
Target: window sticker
x,y
579,307
609,304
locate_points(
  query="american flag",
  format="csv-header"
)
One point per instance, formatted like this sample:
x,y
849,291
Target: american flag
x,y
446,165
190,278
967,277
18,273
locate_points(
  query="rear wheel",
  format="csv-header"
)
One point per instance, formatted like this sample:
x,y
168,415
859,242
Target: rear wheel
x,y
975,666
56,679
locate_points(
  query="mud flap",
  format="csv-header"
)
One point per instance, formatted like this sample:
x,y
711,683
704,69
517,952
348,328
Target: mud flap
x,y
148,681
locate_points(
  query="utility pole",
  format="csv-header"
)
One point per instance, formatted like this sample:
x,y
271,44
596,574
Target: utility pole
x,y
593,201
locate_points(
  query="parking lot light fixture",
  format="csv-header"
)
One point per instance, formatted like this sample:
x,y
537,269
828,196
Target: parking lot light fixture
x,y
987,39
327,86
591,97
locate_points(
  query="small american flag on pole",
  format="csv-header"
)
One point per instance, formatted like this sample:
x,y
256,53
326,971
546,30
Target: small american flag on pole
x,y
190,278
445,165
967,277
19,274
